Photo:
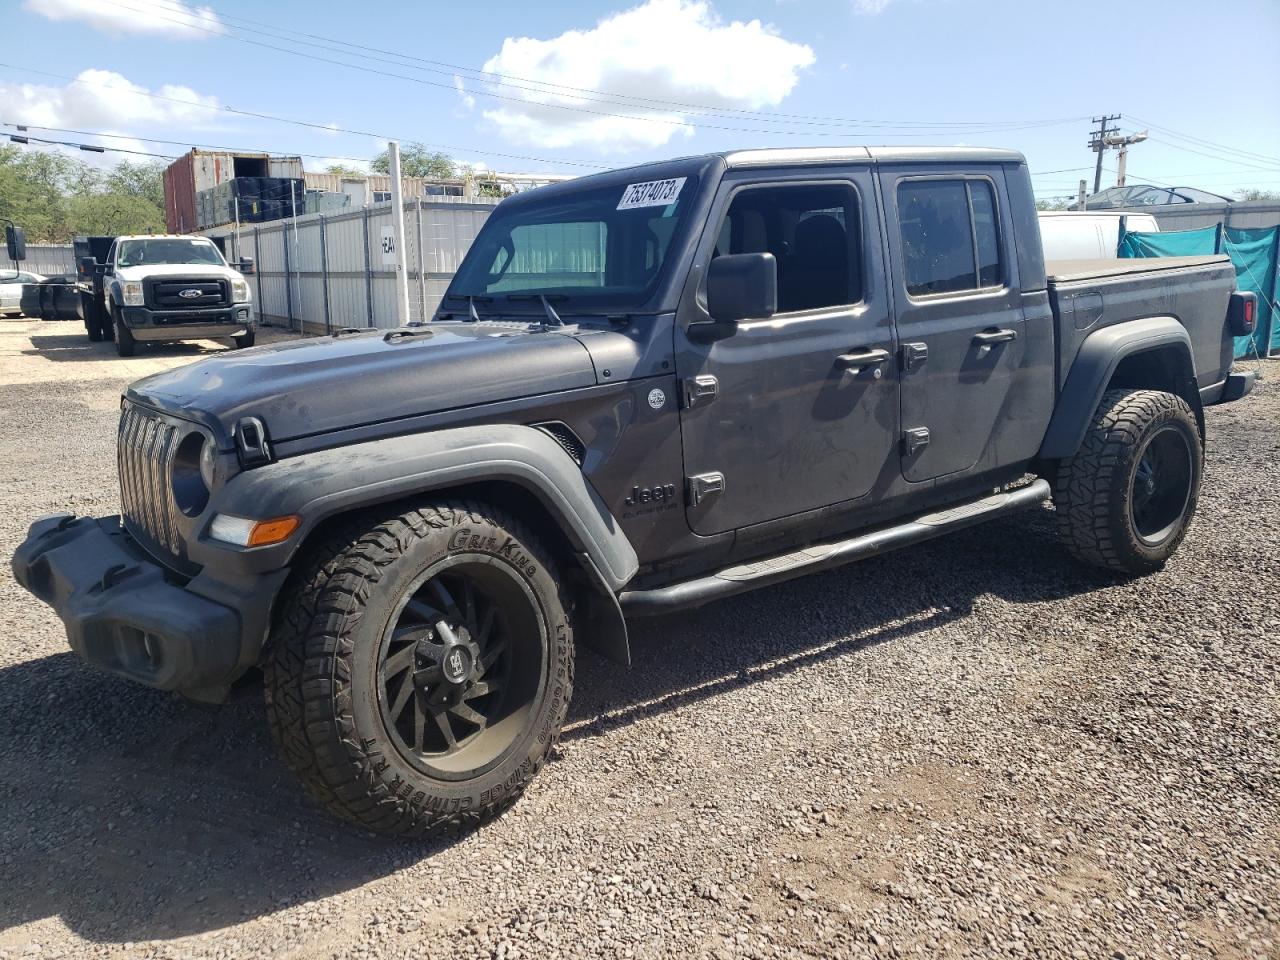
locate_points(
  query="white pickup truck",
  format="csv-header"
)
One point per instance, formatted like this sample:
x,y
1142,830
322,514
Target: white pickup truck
x,y
169,288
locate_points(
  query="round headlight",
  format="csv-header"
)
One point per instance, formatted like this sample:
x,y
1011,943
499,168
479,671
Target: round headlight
x,y
190,491
208,454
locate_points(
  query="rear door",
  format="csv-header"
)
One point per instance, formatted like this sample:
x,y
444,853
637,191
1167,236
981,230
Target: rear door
x,y
959,313
799,410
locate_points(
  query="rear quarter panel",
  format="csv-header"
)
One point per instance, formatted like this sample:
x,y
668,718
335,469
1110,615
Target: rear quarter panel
x,y
1196,296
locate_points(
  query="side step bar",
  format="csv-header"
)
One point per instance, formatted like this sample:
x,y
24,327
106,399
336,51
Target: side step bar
x,y
824,556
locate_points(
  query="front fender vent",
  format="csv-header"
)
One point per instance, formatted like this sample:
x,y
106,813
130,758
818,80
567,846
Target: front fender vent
x,y
563,434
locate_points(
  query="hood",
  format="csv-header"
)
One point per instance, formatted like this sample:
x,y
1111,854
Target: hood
x,y
305,387
150,271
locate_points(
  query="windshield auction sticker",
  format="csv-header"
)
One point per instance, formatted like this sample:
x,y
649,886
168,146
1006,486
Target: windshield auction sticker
x,y
655,193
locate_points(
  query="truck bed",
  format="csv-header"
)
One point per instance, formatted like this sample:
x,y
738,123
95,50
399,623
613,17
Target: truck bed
x,y
1066,271
1088,295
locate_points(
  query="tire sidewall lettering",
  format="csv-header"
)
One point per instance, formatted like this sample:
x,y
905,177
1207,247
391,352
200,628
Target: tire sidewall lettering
x,y
499,544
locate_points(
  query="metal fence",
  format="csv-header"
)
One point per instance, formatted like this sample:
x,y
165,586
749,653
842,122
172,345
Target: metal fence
x,y
1245,214
49,259
324,271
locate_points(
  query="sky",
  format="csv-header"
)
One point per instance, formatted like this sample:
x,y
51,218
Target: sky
x,y
573,88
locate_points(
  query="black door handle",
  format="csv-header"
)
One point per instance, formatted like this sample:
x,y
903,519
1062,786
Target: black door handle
x,y
854,362
988,337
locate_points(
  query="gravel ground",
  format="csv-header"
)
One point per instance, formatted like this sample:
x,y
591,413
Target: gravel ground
x,y
968,748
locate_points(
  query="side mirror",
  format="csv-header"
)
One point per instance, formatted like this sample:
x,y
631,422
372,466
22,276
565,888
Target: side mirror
x,y
88,265
246,265
16,242
742,286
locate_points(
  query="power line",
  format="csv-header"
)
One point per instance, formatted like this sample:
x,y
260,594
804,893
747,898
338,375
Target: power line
x,y
24,138
328,128
1248,154
581,93
1214,156
184,143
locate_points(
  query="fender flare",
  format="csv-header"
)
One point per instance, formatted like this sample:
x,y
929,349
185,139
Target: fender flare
x,y
1094,366
323,484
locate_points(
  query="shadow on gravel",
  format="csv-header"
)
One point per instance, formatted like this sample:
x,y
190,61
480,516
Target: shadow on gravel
x,y
132,814
136,815
81,348
682,658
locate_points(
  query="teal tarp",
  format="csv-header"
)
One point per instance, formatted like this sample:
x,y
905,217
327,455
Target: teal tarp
x,y
1175,243
1253,253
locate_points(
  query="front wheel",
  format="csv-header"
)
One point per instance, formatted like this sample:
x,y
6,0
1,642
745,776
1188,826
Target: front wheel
x,y
124,336
421,667
1124,501
244,340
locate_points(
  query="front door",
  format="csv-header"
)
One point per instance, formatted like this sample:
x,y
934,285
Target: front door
x,y
799,410
959,316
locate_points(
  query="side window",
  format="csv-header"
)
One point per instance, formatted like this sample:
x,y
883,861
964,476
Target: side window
x,y
987,232
111,255
950,236
814,233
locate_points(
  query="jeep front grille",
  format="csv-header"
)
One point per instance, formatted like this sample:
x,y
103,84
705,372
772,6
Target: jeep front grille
x,y
145,451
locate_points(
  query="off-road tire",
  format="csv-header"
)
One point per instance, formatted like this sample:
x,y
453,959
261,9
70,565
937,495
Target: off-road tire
x,y
125,345
245,340
320,667
1094,490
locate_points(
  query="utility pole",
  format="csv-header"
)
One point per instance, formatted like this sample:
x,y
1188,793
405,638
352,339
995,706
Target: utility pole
x,y
1123,142
397,215
1081,202
1098,144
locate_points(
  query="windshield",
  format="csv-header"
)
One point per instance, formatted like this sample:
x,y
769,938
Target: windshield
x,y
603,244
135,253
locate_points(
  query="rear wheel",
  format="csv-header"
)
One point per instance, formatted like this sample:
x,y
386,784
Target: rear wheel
x,y
421,668
1124,501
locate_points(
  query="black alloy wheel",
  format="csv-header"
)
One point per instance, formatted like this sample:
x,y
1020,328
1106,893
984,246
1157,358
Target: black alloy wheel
x,y
1161,486
459,666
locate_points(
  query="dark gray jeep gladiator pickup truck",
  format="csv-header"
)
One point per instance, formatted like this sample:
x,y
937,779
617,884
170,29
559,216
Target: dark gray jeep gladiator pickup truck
x,y
644,390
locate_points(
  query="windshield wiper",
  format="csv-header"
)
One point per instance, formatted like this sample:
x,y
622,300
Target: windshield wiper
x,y
553,318
471,299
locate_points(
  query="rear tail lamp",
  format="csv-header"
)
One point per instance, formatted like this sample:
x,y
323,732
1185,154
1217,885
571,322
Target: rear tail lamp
x,y
1242,313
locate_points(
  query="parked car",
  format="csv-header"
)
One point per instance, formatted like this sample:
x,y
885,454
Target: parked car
x,y
11,282
166,288
1089,235
644,390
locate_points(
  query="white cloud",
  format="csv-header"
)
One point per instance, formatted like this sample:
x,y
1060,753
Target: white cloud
x,y
871,7
158,17
467,101
668,50
105,100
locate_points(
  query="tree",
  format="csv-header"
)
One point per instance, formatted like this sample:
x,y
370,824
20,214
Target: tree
x,y
1256,194
1054,203
54,197
342,170
417,161
144,181
105,214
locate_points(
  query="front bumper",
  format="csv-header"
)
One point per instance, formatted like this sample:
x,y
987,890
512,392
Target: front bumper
x,y
148,324
128,615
